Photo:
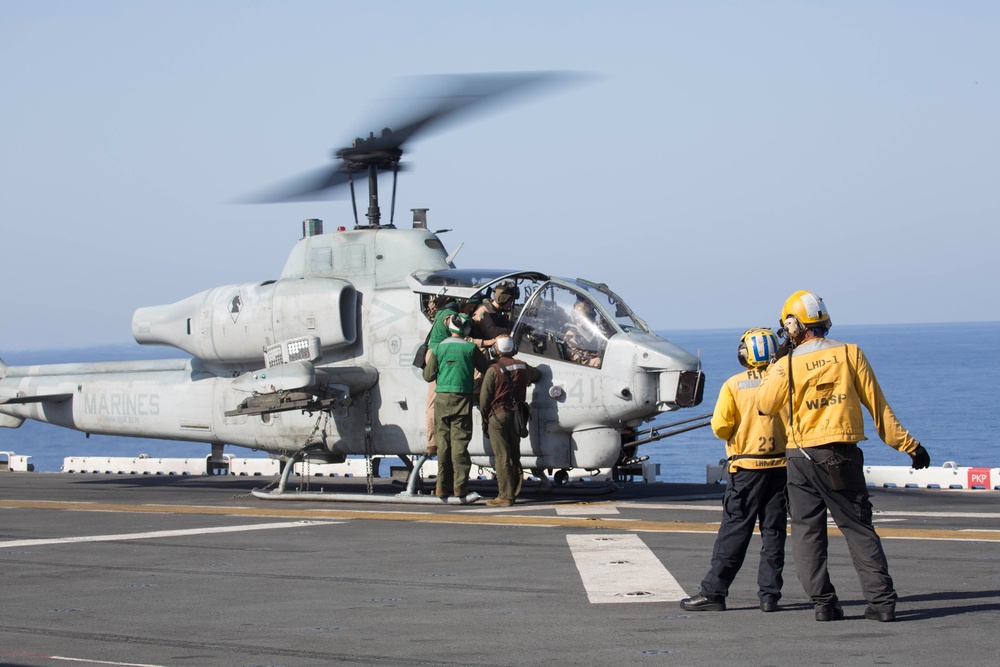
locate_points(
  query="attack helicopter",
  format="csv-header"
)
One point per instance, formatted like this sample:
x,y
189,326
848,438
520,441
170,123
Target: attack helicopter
x,y
317,364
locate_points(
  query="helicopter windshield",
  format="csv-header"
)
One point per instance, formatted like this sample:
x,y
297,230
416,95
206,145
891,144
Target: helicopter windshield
x,y
613,304
562,321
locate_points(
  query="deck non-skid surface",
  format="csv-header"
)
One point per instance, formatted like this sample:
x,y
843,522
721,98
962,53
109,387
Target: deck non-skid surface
x,y
192,571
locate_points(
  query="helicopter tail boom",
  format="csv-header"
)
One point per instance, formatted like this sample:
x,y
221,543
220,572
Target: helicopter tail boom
x,y
7,421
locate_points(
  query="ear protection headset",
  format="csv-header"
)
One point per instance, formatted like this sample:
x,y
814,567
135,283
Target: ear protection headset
x,y
793,327
802,311
459,324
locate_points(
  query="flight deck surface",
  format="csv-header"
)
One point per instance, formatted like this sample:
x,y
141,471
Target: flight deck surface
x,y
129,570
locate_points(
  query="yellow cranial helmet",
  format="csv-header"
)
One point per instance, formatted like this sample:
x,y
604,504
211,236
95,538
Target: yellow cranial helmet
x,y
756,347
808,309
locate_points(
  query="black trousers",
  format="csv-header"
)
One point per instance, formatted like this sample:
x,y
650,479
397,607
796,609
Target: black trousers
x,y
753,497
811,492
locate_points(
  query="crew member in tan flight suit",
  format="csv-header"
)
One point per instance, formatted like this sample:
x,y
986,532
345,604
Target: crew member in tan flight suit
x,y
499,393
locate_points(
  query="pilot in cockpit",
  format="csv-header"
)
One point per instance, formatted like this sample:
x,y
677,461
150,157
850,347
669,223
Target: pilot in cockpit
x,y
586,334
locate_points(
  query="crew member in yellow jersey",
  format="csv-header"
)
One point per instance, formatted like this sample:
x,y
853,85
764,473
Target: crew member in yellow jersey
x,y
821,384
755,494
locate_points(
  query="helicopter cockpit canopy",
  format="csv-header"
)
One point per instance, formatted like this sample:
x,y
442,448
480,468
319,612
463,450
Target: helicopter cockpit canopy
x,y
571,320
611,303
465,283
558,318
468,283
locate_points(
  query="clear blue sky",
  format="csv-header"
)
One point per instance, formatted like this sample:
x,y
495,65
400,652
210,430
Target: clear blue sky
x,y
730,154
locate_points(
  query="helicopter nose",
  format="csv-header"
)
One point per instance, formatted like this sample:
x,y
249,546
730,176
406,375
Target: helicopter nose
x,y
687,387
679,381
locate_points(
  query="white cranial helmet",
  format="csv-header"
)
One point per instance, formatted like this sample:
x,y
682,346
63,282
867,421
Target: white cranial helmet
x,y
504,345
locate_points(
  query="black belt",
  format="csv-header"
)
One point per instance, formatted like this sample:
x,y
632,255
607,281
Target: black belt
x,y
737,457
838,447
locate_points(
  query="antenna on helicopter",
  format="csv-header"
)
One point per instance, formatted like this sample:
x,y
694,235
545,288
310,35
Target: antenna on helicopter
x,y
441,97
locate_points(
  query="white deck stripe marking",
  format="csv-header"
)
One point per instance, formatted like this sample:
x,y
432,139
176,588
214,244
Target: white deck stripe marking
x,y
100,662
941,515
161,533
878,513
69,659
621,568
585,510
717,507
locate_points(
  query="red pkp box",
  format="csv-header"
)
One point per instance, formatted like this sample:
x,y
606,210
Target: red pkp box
x,y
979,477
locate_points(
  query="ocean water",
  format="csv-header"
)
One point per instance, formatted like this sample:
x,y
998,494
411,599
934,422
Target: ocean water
x,y
936,377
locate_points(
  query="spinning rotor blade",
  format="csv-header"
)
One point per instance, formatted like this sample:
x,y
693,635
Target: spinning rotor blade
x,y
438,98
321,184
318,184
447,95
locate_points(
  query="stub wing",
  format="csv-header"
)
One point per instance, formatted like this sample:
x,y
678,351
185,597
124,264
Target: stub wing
x,y
299,386
41,398
10,421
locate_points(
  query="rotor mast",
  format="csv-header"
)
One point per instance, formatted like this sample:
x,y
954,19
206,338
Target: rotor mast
x,y
371,155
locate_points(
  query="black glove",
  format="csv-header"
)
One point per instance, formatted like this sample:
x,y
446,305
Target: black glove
x,y
921,459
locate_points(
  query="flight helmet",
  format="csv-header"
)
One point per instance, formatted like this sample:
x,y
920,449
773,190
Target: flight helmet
x,y
583,312
807,311
503,293
459,324
756,347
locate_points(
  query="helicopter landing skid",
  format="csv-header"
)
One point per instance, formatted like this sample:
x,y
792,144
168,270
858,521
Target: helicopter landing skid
x,y
399,498
543,486
576,488
410,496
560,485
543,489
